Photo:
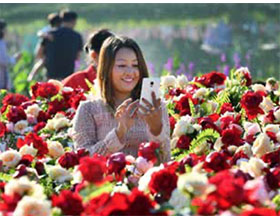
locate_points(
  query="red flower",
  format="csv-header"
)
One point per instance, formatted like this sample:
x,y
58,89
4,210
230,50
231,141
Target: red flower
x,y
172,122
205,207
184,142
43,116
259,212
75,100
116,163
226,107
183,106
3,129
69,202
248,78
39,126
272,158
208,122
69,159
229,190
250,101
14,99
37,142
211,79
238,156
93,168
216,161
232,135
272,178
163,182
26,159
15,114
191,160
148,151
57,106
40,168
9,203
44,90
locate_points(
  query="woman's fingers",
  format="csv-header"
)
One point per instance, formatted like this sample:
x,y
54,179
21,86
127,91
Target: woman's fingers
x,y
132,107
144,109
147,103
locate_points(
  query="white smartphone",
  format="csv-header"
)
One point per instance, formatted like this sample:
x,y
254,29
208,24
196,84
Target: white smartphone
x,y
150,85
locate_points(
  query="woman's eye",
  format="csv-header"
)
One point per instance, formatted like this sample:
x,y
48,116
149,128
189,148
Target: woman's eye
x,y
136,65
121,65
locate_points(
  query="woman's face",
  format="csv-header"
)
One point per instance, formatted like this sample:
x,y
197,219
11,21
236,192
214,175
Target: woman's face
x,y
125,74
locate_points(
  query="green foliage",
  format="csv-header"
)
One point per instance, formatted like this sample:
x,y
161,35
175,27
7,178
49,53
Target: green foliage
x,y
276,201
92,190
5,177
3,93
221,98
199,85
192,109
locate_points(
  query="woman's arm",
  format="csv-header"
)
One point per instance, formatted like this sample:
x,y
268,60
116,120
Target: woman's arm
x,y
85,133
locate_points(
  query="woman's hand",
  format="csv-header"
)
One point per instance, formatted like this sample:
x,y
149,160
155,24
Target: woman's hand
x,y
125,115
152,114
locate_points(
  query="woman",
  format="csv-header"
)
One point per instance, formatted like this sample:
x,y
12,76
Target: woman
x,y
5,59
113,123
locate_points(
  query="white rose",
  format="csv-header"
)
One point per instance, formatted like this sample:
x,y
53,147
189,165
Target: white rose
x,y
272,128
59,174
23,186
50,124
246,148
277,114
214,105
20,126
10,158
194,182
55,149
173,142
258,87
168,81
232,148
143,165
182,81
181,128
261,145
179,201
200,93
197,127
254,166
29,206
252,128
56,83
145,179
266,104
61,123
28,149
33,110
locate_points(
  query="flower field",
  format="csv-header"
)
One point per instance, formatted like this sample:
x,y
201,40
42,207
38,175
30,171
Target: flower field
x,y
225,140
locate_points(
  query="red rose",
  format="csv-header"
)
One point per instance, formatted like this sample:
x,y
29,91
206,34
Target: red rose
x,y
68,160
3,129
39,126
44,90
75,100
248,78
9,203
211,79
172,122
93,169
272,178
69,202
191,160
43,116
116,163
232,135
57,106
26,159
216,161
183,106
14,99
148,151
272,158
184,142
250,101
82,153
238,156
37,142
259,212
163,182
20,171
40,168
15,114
207,122
205,207
226,107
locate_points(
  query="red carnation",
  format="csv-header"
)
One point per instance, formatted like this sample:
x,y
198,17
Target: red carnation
x,y
226,107
232,135
216,161
39,126
14,99
44,90
37,142
93,168
172,122
149,151
75,100
116,163
183,106
163,182
15,114
3,129
259,212
250,101
184,142
69,202
211,79
57,106
68,160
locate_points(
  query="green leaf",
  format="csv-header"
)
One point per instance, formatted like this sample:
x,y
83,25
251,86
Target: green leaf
x,y
192,109
197,84
221,98
94,191
5,177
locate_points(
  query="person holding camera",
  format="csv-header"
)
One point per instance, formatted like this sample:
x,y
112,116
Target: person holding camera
x,y
113,122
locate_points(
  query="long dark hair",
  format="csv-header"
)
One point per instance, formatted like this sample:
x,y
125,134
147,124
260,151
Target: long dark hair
x,y
3,24
106,62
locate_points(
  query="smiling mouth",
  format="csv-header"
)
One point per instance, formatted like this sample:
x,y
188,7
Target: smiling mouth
x,y
128,80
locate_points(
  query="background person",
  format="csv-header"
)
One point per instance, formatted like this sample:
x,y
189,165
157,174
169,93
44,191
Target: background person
x,y
112,122
92,48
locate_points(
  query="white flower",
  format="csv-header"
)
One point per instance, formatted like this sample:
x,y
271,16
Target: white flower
x,y
246,148
145,179
200,93
178,200
20,126
197,127
272,128
254,166
218,144
271,84
120,189
194,182
10,158
258,87
277,115
77,175
173,142
214,105
58,122
143,165
183,126
242,70
266,104
55,149
251,128
182,81
23,186
59,174
56,83
130,159
261,145
33,110
29,206
168,81
28,149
